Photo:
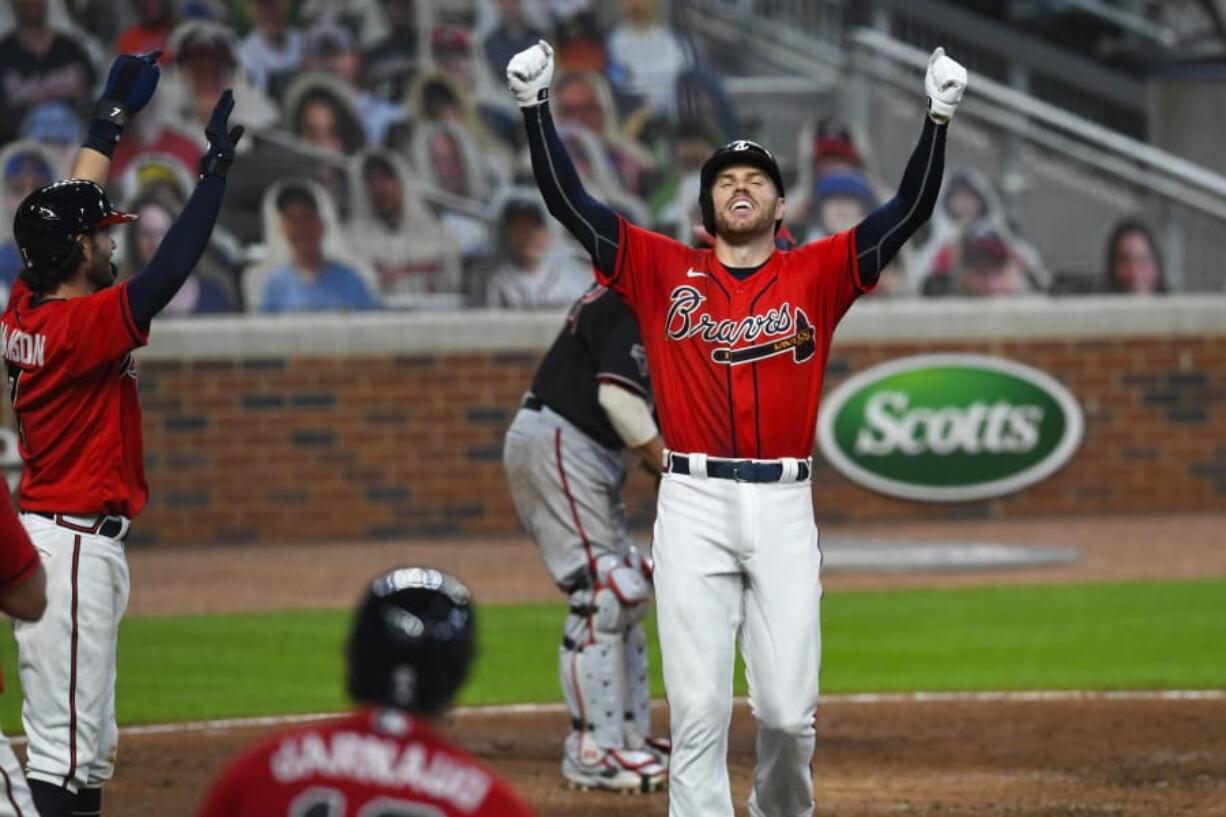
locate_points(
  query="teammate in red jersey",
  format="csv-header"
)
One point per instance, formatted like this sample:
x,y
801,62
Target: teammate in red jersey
x,y
67,338
409,650
736,339
23,596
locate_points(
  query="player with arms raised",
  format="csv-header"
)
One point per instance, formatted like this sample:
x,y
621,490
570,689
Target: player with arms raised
x,y
737,338
410,648
67,338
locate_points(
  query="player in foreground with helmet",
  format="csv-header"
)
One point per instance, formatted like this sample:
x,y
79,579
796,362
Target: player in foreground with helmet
x,y
590,400
409,650
67,338
737,339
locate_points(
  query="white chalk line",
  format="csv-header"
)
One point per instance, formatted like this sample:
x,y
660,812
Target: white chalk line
x,y
223,724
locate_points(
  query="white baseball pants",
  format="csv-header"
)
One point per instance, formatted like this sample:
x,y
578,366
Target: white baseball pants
x,y
67,658
15,800
733,560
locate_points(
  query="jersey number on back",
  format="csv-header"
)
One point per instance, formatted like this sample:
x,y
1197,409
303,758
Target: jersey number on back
x,y
14,372
324,802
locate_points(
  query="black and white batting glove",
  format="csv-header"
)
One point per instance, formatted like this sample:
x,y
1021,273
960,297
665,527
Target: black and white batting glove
x,y
529,73
129,86
223,140
944,83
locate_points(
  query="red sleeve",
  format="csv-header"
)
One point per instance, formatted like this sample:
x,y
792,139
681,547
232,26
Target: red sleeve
x,y
639,253
503,802
836,274
103,328
221,800
18,558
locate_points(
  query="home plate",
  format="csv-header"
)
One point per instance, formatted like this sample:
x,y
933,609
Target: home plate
x,y
844,554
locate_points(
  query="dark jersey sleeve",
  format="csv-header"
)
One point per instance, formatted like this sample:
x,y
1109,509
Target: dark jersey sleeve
x,y
591,222
153,287
622,360
883,232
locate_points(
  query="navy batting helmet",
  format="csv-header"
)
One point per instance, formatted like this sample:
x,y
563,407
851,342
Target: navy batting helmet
x,y
412,642
740,152
50,219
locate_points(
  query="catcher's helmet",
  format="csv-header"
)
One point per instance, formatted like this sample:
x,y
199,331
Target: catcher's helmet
x,y
412,642
740,152
49,220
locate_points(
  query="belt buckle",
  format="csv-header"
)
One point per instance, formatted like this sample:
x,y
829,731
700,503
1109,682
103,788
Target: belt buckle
x,y
736,470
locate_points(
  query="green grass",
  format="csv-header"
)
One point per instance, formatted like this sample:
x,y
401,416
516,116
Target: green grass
x,y
1140,635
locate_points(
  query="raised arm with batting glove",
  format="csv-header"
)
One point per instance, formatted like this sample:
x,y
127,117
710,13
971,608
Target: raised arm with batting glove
x,y
155,285
883,232
590,221
597,227
129,87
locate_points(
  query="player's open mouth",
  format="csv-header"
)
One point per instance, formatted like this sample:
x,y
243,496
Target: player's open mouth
x,y
742,206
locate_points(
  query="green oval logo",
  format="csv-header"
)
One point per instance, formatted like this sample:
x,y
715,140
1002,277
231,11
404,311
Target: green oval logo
x,y
949,428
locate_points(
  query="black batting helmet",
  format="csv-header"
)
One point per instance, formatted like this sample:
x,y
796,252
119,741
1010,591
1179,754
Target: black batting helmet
x,y
412,642
740,152
50,219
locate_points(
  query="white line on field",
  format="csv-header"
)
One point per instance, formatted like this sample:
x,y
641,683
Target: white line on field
x,y
827,700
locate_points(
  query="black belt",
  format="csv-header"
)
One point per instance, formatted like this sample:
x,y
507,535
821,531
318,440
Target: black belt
x,y
738,470
109,527
532,403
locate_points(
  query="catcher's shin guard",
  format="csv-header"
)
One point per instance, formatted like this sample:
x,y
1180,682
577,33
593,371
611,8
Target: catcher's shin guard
x,y
638,693
593,677
592,666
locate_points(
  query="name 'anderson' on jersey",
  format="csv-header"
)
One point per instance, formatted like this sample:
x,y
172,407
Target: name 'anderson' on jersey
x,y
72,382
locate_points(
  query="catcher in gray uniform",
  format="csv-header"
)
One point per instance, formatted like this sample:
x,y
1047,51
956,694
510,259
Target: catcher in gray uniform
x,y
589,401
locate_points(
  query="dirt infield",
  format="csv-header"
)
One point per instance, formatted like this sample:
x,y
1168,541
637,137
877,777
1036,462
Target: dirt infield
x,y
932,759
966,759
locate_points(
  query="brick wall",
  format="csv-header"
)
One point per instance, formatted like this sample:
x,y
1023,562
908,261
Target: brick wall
x,y
315,449
356,443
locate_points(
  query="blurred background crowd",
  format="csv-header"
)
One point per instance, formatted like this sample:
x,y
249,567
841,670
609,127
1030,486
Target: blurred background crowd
x,y
387,167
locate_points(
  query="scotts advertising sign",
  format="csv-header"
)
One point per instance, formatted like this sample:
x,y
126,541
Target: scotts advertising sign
x,y
949,428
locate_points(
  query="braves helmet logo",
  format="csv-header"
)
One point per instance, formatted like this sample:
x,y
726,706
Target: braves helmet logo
x,y
748,144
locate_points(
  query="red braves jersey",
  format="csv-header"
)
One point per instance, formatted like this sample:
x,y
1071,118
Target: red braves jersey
x,y
72,381
373,763
736,366
18,559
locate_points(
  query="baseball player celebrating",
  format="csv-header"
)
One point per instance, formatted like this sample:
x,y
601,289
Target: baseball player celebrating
x,y
67,338
589,400
737,338
409,651
22,596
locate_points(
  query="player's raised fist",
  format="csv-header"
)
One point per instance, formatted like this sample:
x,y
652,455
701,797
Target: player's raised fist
x,y
129,86
529,73
945,83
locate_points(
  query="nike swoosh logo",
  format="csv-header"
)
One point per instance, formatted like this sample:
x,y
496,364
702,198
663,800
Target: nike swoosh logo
x,y
690,273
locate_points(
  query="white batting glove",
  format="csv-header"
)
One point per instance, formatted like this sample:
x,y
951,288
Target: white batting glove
x,y
529,73
944,83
